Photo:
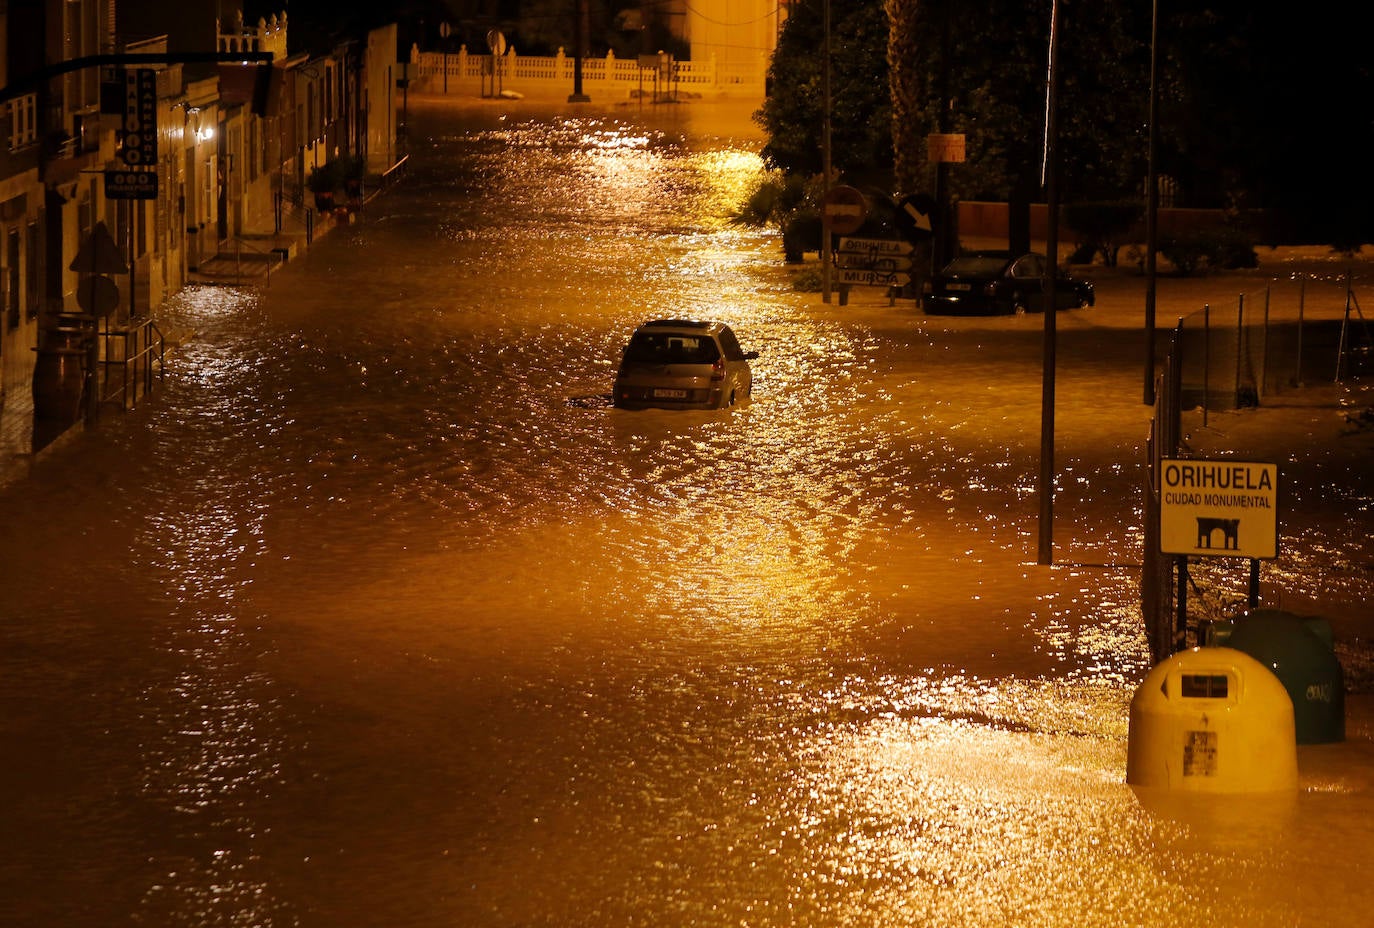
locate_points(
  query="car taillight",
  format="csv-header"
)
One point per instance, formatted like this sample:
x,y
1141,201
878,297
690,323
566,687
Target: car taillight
x,y
718,369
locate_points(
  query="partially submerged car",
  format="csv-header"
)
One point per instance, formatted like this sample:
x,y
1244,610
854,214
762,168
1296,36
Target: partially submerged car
x,y
683,364
994,282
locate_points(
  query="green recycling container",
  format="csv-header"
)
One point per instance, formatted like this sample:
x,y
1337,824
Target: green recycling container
x,y
1300,652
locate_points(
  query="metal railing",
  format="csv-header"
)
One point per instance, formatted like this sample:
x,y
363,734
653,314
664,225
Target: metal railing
x,y
128,357
1271,342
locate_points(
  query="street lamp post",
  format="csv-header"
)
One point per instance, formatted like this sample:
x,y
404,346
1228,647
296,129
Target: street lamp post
x,y
825,160
1046,546
577,96
1151,210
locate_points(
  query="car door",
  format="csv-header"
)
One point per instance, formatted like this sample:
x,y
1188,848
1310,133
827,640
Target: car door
x,y
1028,283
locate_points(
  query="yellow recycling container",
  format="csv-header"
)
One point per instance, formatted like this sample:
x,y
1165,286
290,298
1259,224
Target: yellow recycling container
x,y
1212,720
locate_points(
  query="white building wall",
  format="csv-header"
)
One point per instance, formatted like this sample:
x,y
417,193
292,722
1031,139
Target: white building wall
x,y
739,35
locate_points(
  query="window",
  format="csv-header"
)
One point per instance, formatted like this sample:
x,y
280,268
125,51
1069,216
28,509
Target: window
x,y
12,278
31,273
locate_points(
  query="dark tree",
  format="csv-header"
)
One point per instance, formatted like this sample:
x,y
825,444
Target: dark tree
x,y
793,113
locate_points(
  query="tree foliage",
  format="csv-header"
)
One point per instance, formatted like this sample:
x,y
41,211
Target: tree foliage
x,y
1258,107
793,113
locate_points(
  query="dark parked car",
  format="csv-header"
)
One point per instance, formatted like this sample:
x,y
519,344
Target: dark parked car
x,y
683,364
992,282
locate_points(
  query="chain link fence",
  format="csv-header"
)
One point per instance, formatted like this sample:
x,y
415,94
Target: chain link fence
x,y
1227,358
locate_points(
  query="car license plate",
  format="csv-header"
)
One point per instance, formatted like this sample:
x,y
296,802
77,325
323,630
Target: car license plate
x,y
662,393
960,287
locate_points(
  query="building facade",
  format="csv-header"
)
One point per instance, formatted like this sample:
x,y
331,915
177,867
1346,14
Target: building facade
x,y
173,150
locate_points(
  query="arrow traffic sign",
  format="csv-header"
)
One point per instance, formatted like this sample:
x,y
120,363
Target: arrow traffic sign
x,y
849,275
868,262
875,246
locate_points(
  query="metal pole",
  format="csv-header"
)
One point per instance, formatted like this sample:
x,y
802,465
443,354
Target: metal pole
x,y
1206,359
577,95
1302,307
1151,210
825,159
1046,547
1181,631
1264,353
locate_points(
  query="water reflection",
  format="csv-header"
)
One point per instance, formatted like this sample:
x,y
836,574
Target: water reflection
x,y
382,617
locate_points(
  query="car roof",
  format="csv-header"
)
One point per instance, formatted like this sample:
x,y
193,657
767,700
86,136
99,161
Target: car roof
x,y
690,324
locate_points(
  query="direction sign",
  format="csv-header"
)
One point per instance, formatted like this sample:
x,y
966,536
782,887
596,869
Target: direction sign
x,y
914,216
876,246
875,262
1219,509
867,263
871,278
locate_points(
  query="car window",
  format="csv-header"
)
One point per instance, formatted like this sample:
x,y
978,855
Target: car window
x,y
976,266
670,348
733,352
1029,266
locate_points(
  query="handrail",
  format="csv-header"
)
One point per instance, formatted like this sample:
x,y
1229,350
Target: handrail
x,y
239,244
136,369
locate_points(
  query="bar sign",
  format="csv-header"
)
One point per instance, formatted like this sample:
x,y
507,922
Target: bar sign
x,y
138,136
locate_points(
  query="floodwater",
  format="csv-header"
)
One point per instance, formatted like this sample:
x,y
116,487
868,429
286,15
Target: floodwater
x,y
378,615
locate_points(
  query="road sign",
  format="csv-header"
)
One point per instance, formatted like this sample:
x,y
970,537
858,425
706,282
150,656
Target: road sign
x,y
99,254
869,263
869,278
914,216
1219,509
874,247
846,208
97,295
874,262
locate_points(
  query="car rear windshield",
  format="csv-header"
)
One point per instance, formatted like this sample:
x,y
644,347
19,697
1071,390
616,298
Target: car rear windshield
x,y
976,266
670,348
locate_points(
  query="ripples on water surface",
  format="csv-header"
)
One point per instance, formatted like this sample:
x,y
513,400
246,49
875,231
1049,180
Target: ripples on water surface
x,y
379,615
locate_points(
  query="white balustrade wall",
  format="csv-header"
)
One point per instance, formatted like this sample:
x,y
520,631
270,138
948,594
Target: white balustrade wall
x,y
461,72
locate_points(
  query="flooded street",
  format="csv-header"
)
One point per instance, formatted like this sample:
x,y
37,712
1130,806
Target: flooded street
x,y
379,615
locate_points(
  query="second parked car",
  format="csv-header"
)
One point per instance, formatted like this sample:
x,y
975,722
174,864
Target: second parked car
x,y
992,282
683,364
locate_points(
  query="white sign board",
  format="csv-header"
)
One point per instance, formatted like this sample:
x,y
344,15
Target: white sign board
x,y
1219,508
872,278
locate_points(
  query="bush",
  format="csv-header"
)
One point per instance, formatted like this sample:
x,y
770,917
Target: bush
x,y
809,280
801,232
1205,249
1102,227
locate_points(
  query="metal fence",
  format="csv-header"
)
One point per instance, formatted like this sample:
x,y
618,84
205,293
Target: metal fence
x,y
1224,359
1233,357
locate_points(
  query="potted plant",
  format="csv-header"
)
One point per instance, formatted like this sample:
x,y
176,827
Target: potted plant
x,y
351,169
323,181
